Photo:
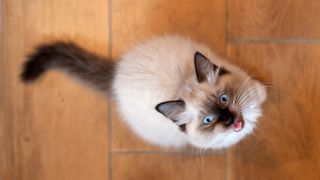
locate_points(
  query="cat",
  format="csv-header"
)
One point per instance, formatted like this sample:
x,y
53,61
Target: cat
x,y
170,90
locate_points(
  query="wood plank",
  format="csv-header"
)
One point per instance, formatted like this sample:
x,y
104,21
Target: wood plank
x,y
273,19
136,21
167,166
286,143
56,128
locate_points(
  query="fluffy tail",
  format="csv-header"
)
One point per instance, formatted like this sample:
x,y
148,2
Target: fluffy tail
x,y
92,69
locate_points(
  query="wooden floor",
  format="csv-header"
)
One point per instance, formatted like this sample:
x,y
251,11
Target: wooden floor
x,y
60,130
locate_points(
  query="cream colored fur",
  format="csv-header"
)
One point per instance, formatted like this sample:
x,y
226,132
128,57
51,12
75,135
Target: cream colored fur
x,y
162,69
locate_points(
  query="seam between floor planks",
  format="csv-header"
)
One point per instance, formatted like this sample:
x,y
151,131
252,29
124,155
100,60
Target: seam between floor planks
x,y
275,41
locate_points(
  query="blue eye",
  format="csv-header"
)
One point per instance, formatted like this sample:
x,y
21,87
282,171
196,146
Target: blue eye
x,y
223,99
208,119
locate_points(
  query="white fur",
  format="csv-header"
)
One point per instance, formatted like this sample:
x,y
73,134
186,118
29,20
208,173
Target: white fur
x,y
155,72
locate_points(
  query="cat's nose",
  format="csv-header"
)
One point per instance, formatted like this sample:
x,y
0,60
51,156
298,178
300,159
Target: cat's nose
x,y
226,117
229,121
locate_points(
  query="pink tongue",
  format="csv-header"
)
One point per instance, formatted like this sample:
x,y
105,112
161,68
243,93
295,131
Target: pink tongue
x,y
237,125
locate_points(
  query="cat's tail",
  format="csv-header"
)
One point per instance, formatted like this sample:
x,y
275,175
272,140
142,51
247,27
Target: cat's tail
x,y
68,57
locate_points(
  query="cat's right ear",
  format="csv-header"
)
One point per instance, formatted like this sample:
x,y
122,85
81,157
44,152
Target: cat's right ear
x,y
172,110
204,67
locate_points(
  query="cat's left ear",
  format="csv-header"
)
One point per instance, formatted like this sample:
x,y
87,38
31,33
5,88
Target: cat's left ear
x,y
172,110
204,67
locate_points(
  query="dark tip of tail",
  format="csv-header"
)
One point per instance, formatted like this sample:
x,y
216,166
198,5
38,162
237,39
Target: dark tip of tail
x,y
32,69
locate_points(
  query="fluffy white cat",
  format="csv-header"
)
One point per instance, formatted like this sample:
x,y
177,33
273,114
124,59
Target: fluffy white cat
x,y
170,90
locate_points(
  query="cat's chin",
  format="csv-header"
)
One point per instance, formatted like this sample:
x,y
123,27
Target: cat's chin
x,y
233,134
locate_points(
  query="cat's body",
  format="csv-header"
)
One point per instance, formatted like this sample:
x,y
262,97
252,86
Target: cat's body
x,y
149,74
166,78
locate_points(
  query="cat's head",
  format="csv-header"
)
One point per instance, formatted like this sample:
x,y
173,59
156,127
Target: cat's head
x,y
218,107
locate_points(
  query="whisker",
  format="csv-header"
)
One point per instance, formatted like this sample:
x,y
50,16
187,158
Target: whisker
x,y
247,97
245,105
241,88
241,98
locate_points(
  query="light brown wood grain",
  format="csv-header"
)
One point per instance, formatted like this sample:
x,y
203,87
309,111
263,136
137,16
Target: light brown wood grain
x,y
55,128
136,21
167,166
273,19
58,128
286,143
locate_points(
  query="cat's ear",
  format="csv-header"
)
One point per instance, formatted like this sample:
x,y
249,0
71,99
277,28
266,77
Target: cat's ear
x,y
172,110
204,67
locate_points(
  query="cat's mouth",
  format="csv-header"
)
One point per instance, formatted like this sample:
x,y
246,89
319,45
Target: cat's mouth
x,y
231,119
238,124
235,123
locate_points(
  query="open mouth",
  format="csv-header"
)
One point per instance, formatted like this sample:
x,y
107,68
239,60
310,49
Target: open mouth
x,y
237,124
231,119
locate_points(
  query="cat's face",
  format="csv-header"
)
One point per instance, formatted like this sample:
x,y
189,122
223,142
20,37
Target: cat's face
x,y
219,108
